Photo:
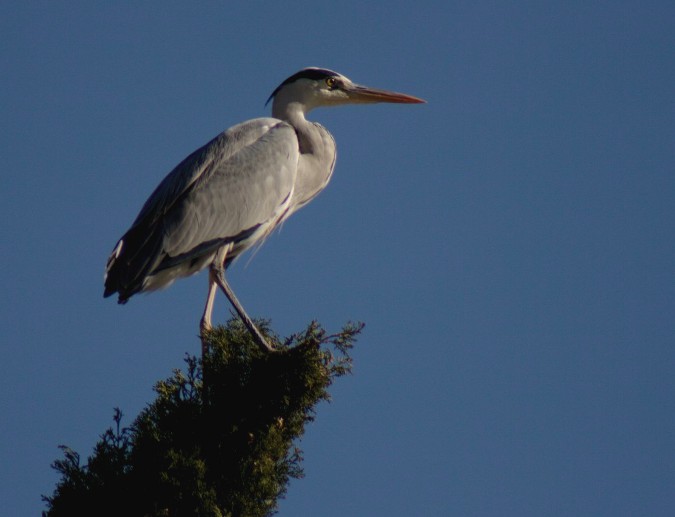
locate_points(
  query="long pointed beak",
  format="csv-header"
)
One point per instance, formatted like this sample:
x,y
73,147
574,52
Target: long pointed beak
x,y
365,94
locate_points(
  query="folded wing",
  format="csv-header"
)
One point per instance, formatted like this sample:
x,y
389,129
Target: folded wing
x,y
232,191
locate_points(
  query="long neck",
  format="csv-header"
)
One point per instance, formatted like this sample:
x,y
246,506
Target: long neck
x,y
317,152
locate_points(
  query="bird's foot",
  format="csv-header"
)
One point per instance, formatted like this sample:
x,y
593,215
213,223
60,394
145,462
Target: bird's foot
x,y
258,338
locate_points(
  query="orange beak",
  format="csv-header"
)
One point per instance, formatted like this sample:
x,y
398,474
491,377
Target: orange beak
x,y
364,94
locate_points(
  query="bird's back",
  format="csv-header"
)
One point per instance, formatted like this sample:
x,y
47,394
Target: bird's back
x,y
232,191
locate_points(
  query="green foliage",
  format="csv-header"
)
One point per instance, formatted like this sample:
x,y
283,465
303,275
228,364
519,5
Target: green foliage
x,y
219,438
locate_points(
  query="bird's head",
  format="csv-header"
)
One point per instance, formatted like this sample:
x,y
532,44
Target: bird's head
x,y
314,87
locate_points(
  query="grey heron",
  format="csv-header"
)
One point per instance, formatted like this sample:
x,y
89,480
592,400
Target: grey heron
x,y
231,193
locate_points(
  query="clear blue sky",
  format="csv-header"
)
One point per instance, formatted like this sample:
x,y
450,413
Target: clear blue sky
x,y
509,244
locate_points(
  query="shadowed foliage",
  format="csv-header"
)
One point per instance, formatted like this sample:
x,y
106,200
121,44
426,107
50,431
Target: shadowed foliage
x,y
220,438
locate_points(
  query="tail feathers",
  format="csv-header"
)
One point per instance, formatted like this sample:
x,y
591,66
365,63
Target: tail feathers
x,y
117,274
130,263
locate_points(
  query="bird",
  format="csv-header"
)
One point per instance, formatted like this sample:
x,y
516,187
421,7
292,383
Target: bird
x,y
230,194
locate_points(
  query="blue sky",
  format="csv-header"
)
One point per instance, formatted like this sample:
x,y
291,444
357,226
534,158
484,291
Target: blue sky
x,y
509,245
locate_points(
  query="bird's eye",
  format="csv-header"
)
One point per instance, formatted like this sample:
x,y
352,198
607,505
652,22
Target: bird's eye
x,y
331,82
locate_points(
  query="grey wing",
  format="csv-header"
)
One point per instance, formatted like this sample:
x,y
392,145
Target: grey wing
x,y
192,168
233,190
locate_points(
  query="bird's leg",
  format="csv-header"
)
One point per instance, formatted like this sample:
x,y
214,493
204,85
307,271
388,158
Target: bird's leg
x,y
205,323
219,277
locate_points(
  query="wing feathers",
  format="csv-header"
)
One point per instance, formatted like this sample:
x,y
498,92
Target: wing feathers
x,y
232,190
